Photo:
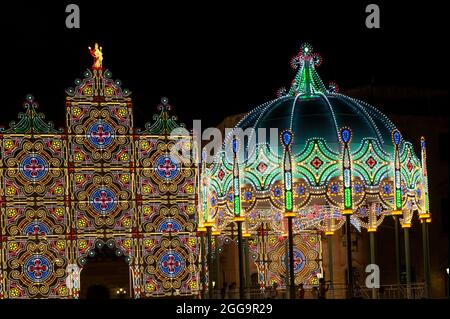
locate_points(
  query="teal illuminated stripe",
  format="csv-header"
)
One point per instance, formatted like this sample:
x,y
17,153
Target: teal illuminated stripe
x,y
347,198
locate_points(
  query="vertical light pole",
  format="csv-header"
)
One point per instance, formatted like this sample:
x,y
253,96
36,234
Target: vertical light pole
x,y
286,262
407,258
201,229
200,234
397,249
286,139
396,137
207,223
346,135
237,216
372,230
209,260
329,232
425,218
246,237
329,235
217,277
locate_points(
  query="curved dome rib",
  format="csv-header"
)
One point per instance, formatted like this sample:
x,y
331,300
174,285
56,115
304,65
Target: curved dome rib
x,y
292,112
332,113
365,114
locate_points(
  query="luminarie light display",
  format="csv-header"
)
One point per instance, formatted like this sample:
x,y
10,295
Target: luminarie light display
x,y
100,182
339,159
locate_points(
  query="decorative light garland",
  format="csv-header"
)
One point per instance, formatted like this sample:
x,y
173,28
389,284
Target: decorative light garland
x,y
425,214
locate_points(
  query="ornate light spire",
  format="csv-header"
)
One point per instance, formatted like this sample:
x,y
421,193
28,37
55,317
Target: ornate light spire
x,y
307,81
396,137
425,213
164,123
286,139
31,121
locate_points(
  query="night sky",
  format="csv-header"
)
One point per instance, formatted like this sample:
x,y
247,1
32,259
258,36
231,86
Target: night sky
x,y
218,59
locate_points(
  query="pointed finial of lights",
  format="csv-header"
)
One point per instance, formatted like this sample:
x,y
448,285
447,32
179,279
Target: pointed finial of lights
x,y
346,135
307,81
333,87
286,138
164,105
281,92
30,121
235,145
422,143
396,137
29,98
164,123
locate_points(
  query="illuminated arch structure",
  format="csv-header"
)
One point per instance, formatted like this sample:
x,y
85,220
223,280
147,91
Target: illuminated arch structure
x,y
97,182
336,158
102,182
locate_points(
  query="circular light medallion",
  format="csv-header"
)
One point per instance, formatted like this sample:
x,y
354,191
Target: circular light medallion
x,y
103,200
171,264
33,167
167,167
299,260
100,134
37,268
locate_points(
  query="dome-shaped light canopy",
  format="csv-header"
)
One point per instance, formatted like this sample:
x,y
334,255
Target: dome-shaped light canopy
x,y
311,111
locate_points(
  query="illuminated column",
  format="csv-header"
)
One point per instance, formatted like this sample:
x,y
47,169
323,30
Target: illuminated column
x,y
201,229
217,277
396,137
207,223
346,136
209,261
425,218
286,139
205,216
237,217
201,236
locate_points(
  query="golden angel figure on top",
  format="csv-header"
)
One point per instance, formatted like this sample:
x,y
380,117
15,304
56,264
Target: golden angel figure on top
x,y
97,54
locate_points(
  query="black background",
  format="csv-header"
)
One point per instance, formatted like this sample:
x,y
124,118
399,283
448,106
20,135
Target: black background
x,y
215,59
